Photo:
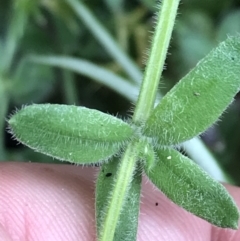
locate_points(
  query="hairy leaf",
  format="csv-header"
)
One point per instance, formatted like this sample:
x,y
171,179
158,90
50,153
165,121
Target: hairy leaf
x,y
187,185
128,221
71,133
198,100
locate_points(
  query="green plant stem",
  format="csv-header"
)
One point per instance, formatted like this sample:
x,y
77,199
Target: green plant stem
x,y
136,77
119,192
156,60
144,106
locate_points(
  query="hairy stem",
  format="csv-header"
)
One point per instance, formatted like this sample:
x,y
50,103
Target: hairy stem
x,y
156,60
144,106
120,190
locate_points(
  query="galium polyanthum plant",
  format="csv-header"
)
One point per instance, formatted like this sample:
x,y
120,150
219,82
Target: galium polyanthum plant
x,y
147,142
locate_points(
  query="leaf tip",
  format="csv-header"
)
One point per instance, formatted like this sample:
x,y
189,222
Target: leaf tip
x,y
234,215
11,121
234,224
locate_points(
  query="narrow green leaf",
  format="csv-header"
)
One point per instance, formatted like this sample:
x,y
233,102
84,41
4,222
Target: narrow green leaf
x,y
198,100
187,185
128,221
70,133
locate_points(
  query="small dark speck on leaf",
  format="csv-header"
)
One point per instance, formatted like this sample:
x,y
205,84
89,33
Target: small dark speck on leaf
x,y
109,174
232,58
156,204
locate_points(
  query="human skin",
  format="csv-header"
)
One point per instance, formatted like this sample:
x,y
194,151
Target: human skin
x,y
47,202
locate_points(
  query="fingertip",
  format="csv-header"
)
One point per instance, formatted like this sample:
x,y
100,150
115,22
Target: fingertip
x,y
4,236
47,202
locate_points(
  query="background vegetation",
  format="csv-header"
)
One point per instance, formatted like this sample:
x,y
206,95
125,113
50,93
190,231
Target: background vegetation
x,y
42,27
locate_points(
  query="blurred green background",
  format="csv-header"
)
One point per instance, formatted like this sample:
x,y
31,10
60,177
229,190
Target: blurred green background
x,y
115,36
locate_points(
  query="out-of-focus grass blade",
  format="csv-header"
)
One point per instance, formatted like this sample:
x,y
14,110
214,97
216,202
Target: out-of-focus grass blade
x,y
86,68
106,40
21,11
